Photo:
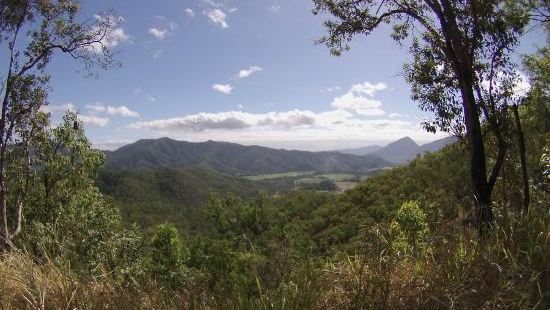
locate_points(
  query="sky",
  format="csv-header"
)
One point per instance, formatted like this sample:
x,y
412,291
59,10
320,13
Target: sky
x,y
244,71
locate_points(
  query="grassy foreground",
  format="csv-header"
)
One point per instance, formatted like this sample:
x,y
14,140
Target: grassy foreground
x,y
508,269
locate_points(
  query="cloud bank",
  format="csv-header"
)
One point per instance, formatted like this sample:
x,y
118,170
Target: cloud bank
x,y
355,115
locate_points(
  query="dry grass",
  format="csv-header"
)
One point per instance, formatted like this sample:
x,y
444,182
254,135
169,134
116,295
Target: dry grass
x,y
509,269
26,284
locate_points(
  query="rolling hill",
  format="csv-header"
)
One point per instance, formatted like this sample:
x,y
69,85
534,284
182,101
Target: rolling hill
x,y
150,197
234,159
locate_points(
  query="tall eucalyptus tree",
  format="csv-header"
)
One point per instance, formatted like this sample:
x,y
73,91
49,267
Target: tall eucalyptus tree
x,y
31,32
461,68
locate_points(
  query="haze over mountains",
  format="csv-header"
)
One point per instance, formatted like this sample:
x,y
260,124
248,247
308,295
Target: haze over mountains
x,y
235,159
401,151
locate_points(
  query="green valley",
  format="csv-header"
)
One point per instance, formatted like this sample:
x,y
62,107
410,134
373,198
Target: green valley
x,y
213,154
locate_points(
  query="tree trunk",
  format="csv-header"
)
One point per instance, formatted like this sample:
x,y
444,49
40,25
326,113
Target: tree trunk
x,y
457,51
478,169
521,144
4,233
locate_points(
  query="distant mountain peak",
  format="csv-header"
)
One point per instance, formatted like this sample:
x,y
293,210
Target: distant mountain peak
x,y
404,141
402,150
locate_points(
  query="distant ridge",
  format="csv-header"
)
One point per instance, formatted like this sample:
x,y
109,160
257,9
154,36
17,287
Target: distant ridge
x,y
235,159
361,151
401,151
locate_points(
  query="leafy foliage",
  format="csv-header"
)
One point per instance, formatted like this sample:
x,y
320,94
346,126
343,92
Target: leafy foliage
x,y
411,227
152,197
50,27
167,257
301,250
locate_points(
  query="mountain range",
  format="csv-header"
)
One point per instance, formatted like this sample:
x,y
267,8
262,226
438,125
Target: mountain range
x,y
240,160
401,151
234,159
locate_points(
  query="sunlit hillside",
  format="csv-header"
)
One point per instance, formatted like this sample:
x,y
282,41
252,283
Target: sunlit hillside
x,y
280,154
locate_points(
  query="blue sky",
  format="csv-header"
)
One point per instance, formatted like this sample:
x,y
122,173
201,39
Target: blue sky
x,y
245,71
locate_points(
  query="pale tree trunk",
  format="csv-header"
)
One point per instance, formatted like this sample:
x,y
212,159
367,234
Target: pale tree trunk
x,y
521,147
5,242
3,191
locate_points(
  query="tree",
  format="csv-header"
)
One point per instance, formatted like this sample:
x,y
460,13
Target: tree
x,y
168,256
33,31
536,113
461,69
66,216
410,223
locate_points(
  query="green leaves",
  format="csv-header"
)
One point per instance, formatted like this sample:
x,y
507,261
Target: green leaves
x,y
66,217
167,257
411,226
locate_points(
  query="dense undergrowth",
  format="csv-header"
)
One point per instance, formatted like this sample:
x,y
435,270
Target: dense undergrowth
x,y
398,241
401,240
507,269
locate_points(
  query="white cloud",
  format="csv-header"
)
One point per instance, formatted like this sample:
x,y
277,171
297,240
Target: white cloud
x,y
212,3
93,110
189,12
344,122
97,107
217,17
248,72
123,111
162,28
367,88
223,88
58,108
240,120
358,104
359,99
522,85
516,83
275,8
293,125
158,33
333,89
94,120
114,35
398,115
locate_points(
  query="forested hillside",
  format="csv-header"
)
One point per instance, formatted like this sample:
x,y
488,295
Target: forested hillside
x,y
232,158
164,224
151,197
